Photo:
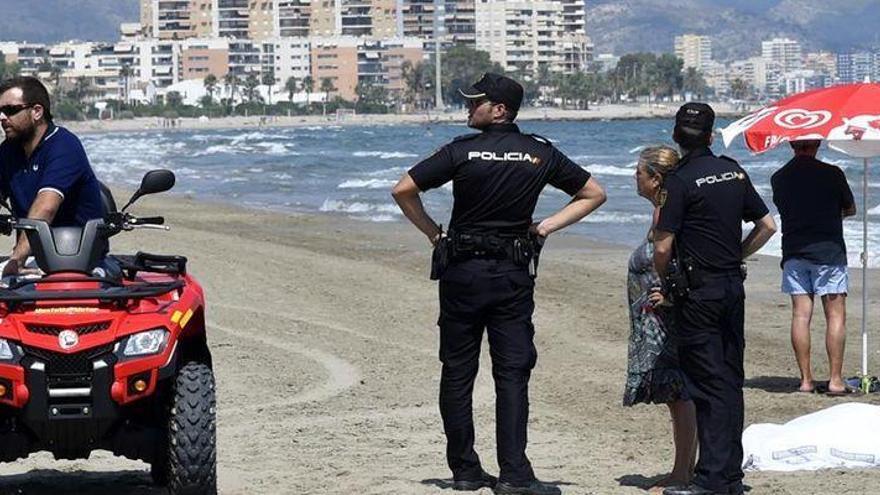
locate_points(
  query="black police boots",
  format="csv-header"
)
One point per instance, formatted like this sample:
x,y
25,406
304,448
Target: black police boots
x,y
486,481
692,489
533,488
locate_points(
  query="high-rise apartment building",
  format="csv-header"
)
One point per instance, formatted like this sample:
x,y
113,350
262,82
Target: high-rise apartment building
x,y
694,50
177,19
783,53
293,18
782,56
528,36
858,66
456,19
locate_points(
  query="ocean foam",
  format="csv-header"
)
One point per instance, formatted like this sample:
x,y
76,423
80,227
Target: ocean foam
x,y
601,216
384,155
340,206
601,170
273,148
367,184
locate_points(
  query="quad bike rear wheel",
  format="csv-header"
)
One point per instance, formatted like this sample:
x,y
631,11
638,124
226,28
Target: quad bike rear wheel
x,y
189,466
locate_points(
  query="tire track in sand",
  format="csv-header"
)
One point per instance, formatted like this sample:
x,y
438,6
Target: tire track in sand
x,y
334,366
342,374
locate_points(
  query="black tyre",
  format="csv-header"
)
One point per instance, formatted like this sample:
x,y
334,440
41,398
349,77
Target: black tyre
x,y
192,434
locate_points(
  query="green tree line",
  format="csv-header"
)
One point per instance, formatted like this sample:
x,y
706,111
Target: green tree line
x,y
636,76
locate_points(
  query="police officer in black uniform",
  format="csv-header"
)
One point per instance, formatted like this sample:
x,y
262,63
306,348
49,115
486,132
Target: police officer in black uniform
x,y
492,244
700,225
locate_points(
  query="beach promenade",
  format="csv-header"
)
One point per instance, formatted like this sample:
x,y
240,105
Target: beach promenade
x,y
325,348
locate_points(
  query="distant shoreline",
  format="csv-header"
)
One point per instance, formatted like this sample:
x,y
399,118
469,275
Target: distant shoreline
x,y
603,112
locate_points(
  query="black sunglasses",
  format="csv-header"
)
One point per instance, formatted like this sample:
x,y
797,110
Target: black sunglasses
x,y
11,110
475,102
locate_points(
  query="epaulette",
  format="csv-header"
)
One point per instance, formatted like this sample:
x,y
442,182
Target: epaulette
x,y
541,139
465,137
725,157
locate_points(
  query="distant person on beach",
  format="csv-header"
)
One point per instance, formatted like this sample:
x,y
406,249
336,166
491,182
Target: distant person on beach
x,y
487,281
44,170
813,198
654,375
706,199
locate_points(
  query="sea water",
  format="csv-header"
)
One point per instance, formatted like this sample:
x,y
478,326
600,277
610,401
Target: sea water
x,y
349,170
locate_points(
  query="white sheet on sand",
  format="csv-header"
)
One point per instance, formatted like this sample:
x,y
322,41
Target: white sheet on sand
x,y
843,436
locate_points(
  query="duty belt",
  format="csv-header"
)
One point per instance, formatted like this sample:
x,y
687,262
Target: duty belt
x,y
522,249
467,245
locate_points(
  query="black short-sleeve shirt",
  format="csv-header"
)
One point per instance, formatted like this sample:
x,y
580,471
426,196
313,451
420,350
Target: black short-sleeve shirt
x,y
497,176
707,199
811,196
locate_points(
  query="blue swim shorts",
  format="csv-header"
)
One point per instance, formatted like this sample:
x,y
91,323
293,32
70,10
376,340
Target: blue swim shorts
x,y
800,276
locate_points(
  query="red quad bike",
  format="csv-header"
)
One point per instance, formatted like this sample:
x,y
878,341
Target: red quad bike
x,y
115,362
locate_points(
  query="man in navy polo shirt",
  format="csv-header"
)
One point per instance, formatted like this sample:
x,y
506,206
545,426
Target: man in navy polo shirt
x,y
44,170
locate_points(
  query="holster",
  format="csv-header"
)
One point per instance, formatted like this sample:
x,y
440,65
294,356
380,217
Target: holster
x,y
683,275
440,257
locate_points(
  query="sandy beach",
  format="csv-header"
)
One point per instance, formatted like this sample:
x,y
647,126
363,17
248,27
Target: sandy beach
x,y
325,349
602,112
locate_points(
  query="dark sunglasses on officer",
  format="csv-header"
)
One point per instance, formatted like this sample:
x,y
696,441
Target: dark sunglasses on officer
x,y
12,110
477,102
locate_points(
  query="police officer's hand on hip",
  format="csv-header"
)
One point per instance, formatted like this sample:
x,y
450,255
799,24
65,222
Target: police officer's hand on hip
x,y
707,198
492,246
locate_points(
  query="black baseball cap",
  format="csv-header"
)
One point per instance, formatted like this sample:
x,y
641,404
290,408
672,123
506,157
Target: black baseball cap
x,y
695,119
496,88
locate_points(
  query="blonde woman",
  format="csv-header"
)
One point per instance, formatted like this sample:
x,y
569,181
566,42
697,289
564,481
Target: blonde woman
x,y
653,374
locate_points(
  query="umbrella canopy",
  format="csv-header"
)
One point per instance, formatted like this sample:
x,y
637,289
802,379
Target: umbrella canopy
x,y
847,116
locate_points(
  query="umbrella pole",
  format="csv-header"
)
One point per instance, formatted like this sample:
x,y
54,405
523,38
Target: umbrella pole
x,y
865,272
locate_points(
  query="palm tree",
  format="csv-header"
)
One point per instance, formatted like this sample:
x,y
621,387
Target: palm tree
x,y
326,88
290,86
55,76
739,89
125,72
250,87
230,80
693,82
417,79
82,89
210,84
269,80
308,85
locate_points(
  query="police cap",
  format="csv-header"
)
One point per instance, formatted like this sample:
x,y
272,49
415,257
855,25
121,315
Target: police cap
x,y
695,119
496,88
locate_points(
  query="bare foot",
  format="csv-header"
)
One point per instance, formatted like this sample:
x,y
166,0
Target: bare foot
x,y
836,386
807,387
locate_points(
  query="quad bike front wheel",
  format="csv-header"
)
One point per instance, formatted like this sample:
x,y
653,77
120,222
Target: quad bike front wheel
x,y
190,467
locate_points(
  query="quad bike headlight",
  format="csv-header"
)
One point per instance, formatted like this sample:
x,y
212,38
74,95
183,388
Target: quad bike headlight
x,y
6,353
146,343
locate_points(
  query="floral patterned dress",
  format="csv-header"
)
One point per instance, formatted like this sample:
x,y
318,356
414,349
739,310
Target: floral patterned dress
x,y
653,372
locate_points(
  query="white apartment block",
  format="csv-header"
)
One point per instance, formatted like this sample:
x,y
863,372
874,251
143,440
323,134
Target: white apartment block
x,y
524,36
783,53
694,50
782,56
286,57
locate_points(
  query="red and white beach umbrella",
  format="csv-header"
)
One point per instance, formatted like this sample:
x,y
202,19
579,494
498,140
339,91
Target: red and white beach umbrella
x,y
848,118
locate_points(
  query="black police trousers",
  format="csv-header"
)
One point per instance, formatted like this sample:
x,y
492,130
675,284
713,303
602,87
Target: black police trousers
x,y
495,295
711,345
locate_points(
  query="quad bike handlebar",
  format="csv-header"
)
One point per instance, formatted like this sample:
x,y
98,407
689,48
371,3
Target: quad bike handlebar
x,y
81,249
